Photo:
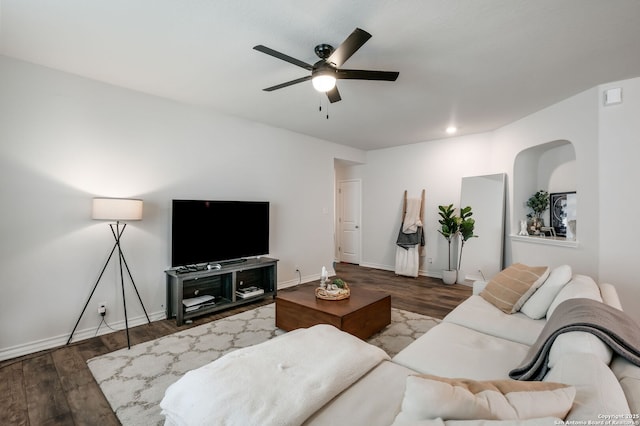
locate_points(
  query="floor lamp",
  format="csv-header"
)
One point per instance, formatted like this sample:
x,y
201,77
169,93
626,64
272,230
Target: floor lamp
x,y
118,209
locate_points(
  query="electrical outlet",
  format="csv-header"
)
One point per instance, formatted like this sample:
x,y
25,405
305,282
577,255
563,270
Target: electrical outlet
x,y
102,308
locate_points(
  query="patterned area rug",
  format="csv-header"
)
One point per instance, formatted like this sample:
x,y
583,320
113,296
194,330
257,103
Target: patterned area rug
x,y
134,381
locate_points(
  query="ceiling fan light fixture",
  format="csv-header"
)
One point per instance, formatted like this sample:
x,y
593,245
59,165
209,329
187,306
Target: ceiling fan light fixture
x,y
323,82
325,71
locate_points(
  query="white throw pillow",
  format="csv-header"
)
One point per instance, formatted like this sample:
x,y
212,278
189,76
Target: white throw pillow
x,y
431,397
579,286
537,305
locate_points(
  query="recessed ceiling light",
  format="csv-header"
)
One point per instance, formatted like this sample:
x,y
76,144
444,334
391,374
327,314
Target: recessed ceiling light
x,y
451,130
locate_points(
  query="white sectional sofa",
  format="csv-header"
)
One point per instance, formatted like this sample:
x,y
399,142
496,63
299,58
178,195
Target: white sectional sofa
x,y
479,342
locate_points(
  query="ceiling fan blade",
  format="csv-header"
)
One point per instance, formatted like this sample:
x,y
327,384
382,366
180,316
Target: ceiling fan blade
x,y
348,47
288,83
367,75
334,95
282,56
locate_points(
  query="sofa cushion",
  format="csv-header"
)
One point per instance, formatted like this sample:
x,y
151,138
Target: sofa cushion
x,y
364,403
597,389
538,304
579,286
431,397
450,350
478,314
543,421
514,285
628,375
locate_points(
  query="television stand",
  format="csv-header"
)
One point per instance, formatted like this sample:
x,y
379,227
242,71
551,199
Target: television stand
x,y
192,293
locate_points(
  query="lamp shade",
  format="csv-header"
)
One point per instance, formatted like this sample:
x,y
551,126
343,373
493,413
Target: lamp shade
x,y
116,209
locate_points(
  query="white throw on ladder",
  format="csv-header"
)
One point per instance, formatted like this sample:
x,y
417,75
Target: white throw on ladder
x,y
410,238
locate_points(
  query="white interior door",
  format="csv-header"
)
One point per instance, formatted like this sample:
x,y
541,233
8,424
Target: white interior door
x,y
349,221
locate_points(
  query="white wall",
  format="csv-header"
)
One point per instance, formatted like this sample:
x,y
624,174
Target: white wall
x,y
618,156
574,120
437,167
64,140
606,141
559,165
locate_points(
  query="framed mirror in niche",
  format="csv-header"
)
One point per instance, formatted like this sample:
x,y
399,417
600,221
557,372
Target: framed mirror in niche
x,y
563,213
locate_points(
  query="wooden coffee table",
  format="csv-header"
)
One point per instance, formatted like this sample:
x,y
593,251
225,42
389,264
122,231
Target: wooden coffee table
x,y
363,314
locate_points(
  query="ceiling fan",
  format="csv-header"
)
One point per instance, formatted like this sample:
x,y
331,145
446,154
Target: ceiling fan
x,y
326,71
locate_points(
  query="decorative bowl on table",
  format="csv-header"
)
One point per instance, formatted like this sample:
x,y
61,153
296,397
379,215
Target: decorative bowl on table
x,y
334,290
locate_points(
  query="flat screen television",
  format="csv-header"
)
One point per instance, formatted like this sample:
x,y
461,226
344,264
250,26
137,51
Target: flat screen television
x,y
207,231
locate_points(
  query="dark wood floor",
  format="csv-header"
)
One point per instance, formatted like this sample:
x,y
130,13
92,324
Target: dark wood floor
x,y
55,387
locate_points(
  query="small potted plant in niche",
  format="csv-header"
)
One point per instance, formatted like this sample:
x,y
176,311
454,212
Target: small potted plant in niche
x,y
449,228
538,203
465,230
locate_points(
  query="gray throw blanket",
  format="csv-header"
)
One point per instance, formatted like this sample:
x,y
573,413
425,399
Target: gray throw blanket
x,y
407,241
609,324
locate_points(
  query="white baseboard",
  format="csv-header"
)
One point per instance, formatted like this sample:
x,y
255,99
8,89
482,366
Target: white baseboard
x,y
287,284
392,268
293,283
377,266
61,340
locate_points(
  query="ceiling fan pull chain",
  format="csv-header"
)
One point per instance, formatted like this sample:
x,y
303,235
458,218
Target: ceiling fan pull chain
x,y
320,105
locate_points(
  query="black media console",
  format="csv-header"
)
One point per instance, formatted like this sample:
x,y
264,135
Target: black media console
x,y
202,290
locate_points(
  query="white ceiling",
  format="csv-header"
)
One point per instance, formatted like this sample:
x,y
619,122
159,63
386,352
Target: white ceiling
x,y
478,64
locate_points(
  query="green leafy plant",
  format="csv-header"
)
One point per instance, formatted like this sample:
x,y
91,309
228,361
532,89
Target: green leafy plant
x,y
538,203
339,283
466,228
449,225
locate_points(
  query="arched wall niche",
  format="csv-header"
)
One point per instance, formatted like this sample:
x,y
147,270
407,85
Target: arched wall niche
x,y
550,166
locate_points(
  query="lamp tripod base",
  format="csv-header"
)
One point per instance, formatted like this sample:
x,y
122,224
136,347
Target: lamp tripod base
x,y
117,232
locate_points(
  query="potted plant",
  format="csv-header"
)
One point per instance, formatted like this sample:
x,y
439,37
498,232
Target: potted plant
x,y
538,203
449,228
465,230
